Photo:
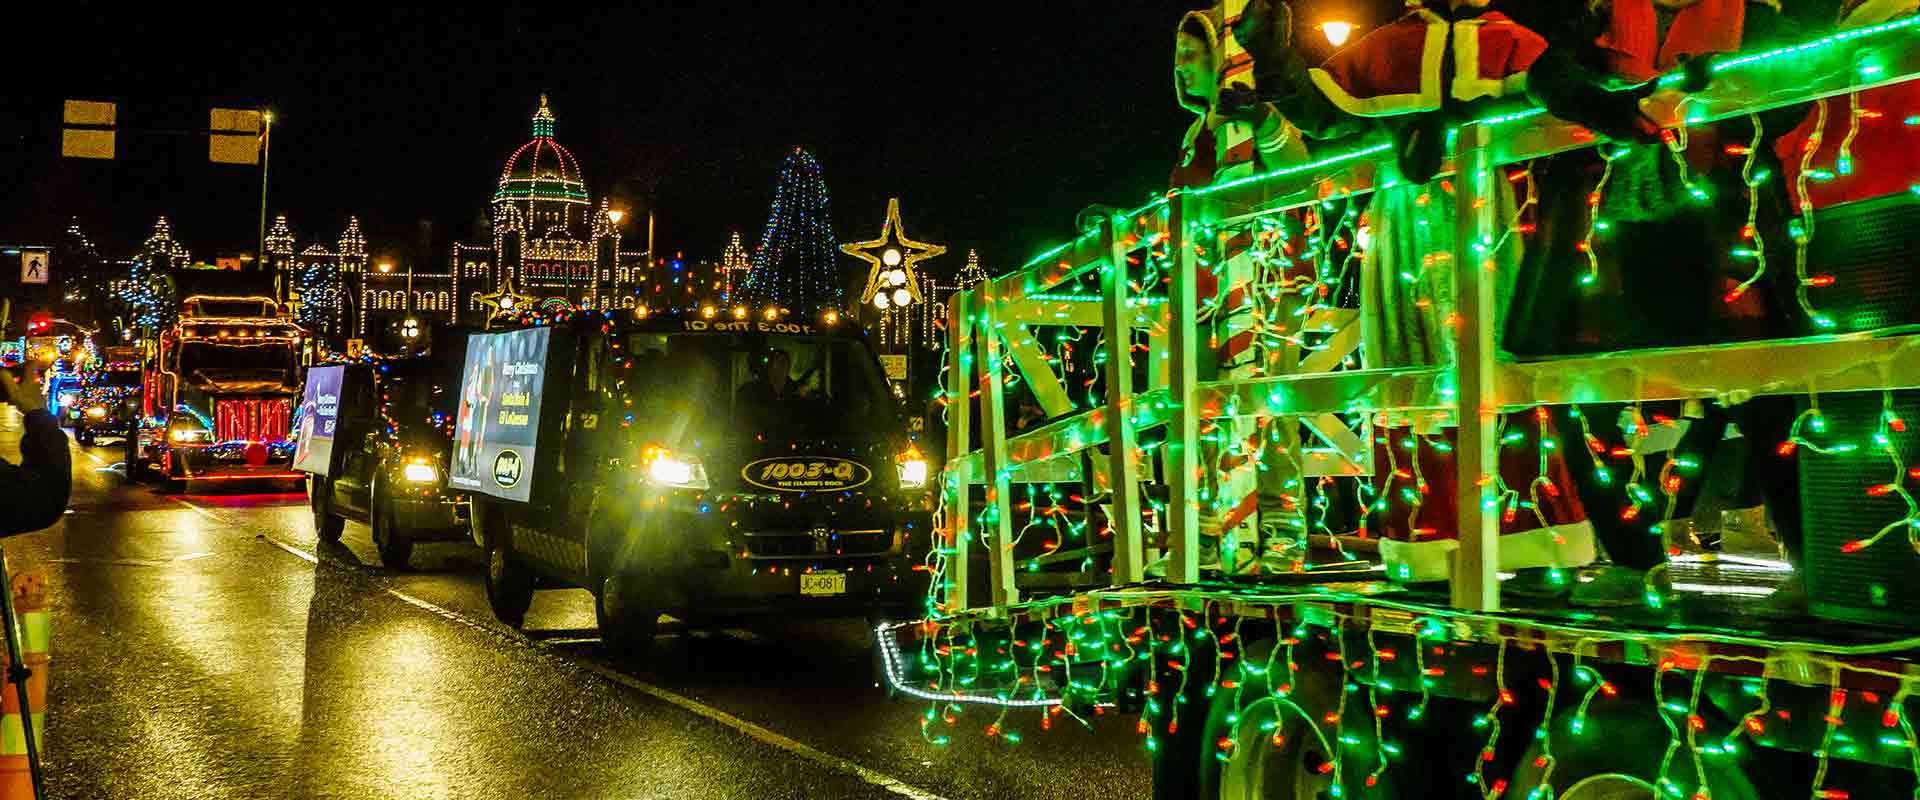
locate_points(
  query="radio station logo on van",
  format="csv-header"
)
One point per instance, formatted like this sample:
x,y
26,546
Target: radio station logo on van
x,y
806,474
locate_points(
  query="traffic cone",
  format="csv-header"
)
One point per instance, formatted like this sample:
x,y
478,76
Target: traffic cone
x,y
30,605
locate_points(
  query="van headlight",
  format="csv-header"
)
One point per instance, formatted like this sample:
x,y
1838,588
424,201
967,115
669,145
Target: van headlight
x,y
419,471
913,469
678,470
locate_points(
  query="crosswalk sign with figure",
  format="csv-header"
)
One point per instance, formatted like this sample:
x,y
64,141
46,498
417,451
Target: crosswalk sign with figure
x,y
33,266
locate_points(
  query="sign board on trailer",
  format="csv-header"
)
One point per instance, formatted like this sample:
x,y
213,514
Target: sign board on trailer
x,y
497,427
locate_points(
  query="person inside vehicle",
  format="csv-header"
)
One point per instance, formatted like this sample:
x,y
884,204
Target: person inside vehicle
x,y
772,388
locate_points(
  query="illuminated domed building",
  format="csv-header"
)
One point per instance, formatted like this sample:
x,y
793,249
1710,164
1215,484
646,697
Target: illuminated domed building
x,y
551,242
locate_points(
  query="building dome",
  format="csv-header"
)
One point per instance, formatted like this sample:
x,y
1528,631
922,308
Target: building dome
x,y
542,170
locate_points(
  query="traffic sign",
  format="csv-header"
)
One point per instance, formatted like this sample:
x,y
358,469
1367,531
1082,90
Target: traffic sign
x,y
896,366
87,129
33,266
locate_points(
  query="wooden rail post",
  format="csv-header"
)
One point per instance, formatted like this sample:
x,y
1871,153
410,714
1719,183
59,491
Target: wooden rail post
x,y
1183,428
1122,467
993,447
958,533
1476,580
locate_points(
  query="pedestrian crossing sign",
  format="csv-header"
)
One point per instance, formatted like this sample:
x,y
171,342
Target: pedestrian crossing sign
x,y
33,266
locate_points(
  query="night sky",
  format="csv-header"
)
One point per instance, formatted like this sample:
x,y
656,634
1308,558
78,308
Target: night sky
x,y
995,123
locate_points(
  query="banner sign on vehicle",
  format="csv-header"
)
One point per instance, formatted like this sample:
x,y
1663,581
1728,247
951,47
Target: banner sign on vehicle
x,y
806,474
319,416
497,428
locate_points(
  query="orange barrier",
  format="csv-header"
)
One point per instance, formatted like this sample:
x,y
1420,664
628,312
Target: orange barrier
x,y
30,605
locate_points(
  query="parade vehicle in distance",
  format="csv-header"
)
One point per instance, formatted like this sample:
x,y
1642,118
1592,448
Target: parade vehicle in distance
x,y
218,395
709,468
109,398
375,437
1338,683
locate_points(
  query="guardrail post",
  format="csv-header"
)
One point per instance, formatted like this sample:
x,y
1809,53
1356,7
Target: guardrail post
x,y
1183,426
1123,468
993,446
959,484
1476,581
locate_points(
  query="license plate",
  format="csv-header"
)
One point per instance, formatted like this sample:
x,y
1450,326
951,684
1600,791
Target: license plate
x,y
823,583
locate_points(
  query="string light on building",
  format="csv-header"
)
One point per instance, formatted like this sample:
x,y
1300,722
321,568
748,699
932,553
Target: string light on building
x,y
794,265
549,236
734,265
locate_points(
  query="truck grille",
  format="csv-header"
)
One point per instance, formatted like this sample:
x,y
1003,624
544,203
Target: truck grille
x,y
818,544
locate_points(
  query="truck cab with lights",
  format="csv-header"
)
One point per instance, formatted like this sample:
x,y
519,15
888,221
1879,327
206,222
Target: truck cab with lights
x,y
706,465
219,394
375,439
108,403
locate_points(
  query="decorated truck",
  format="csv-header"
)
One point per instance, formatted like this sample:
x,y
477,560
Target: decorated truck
x,y
710,468
108,402
1305,570
219,394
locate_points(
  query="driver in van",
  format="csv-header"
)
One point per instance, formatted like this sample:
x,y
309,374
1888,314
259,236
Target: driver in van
x,y
772,387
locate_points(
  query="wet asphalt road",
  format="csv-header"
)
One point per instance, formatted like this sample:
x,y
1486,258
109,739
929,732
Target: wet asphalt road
x,y
206,646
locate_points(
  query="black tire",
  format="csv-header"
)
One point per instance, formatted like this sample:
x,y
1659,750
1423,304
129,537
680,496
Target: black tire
x,y
84,437
1253,767
326,525
628,624
1623,762
394,543
509,581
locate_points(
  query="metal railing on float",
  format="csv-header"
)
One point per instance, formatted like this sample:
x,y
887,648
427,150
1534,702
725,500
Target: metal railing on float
x,y
992,323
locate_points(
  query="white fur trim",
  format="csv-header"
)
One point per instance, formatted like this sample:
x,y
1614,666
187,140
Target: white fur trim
x,y
1569,545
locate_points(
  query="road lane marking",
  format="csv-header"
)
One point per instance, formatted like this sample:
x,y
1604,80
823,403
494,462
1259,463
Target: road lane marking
x,y
201,511
750,729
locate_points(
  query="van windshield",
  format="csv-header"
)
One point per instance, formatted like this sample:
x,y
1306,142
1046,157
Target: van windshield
x,y
732,384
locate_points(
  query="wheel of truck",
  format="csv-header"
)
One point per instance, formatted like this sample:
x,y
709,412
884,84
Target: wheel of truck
x,y
628,623
1617,757
326,524
394,543
84,437
509,582
1260,744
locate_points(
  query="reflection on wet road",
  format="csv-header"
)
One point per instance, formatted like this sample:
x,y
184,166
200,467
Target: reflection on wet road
x,y
207,646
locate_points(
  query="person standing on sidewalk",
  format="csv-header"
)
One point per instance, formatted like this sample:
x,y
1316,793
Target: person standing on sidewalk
x,y
33,493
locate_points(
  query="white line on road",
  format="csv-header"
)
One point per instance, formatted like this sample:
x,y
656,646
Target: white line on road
x,y
750,729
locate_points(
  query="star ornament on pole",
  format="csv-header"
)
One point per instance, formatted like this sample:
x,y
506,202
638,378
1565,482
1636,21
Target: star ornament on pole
x,y
504,300
892,281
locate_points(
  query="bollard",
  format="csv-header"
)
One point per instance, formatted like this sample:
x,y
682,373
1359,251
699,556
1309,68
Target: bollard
x,y
30,606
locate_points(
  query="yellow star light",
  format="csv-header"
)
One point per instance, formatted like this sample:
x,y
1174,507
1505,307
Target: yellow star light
x,y
504,300
892,257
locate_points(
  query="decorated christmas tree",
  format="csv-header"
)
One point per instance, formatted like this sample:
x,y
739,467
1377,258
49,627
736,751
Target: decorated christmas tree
x,y
147,294
795,265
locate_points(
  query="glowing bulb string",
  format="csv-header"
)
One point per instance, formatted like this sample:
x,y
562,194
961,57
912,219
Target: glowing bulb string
x,y
1491,720
1752,229
1896,485
1803,233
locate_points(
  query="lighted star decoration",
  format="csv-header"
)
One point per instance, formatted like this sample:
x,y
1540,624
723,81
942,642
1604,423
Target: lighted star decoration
x,y
892,282
505,300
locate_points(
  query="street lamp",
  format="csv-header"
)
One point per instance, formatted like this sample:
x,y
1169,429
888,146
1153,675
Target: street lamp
x,y
1336,31
385,266
410,328
616,215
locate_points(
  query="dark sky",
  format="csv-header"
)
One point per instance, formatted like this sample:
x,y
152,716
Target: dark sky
x,y
995,123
